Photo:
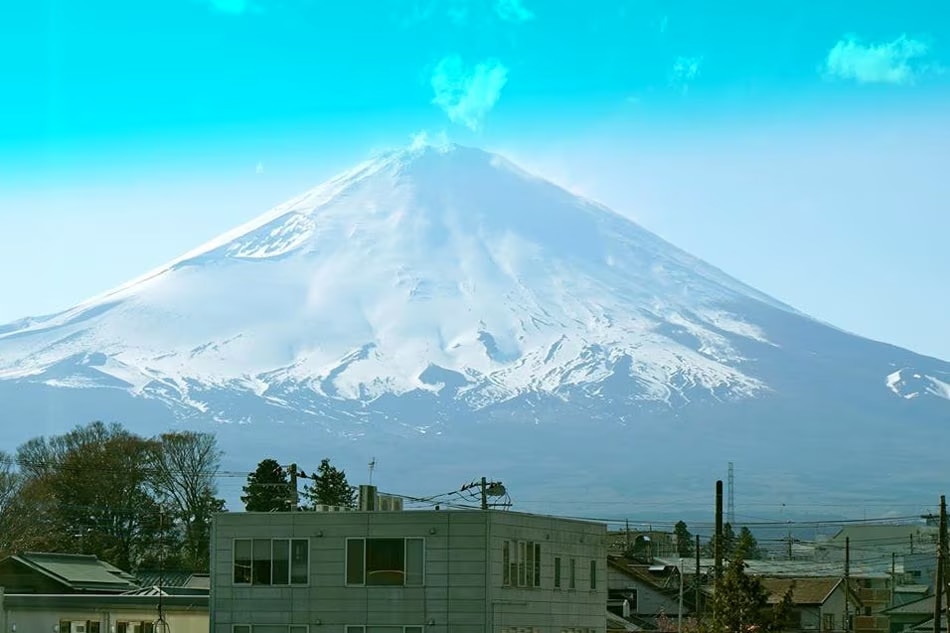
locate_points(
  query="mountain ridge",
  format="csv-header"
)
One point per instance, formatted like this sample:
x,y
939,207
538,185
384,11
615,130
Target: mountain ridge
x,y
438,291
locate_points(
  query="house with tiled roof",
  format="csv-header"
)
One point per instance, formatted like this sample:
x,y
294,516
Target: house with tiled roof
x,y
818,604
642,597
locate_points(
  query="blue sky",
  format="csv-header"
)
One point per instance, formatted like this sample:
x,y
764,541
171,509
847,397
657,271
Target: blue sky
x,y
802,148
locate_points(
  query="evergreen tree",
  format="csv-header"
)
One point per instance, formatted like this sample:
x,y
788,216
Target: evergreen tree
x,y
740,604
747,547
728,543
684,540
330,487
267,488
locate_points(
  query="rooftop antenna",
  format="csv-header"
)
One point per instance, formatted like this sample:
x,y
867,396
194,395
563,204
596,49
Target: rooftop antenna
x,y
372,468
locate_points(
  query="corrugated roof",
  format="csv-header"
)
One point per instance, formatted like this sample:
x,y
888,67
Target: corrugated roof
x,y
805,591
78,571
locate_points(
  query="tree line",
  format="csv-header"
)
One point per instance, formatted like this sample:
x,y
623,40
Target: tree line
x,y
136,502
743,546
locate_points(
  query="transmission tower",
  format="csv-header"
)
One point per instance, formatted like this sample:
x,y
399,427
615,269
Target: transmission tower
x,y
731,512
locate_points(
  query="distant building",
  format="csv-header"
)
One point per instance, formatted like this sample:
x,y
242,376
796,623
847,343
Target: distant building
x,y
407,572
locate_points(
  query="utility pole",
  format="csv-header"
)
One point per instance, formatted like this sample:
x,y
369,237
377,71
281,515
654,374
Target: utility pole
x,y
696,580
679,616
941,566
847,583
731,513
717,545
893,575
484,485
295,497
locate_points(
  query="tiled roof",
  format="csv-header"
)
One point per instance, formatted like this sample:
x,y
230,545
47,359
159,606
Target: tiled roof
x,y
805,591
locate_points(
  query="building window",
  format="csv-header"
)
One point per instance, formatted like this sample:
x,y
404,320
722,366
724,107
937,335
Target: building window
x,y
385,561
828,622
86,626
557,572
277,561
369,628
131,627
572,573
270,628
593,574
521,563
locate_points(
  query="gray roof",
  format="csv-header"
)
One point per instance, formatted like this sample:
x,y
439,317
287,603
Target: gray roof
x,y
798,568
78,571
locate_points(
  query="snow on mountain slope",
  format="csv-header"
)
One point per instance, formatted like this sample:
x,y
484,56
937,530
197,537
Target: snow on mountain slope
x,y
425,270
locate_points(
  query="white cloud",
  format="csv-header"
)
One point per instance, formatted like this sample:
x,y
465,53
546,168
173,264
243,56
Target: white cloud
x,y
513,11
466,95
424,139
895,62
685,70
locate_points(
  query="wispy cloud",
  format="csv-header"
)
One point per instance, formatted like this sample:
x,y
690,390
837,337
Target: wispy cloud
x,y
513,11
685,70
897,62
466,95
424,139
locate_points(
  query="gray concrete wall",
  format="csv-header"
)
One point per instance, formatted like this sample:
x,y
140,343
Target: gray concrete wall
x,y
462,592
453,595
547,609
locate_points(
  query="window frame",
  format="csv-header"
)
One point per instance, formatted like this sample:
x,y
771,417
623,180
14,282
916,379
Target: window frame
x,y
290,563
406,628
249,628
521,563
364,573
557,572
593,574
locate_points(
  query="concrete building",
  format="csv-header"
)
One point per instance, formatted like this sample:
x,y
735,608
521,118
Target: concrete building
x,y
454,571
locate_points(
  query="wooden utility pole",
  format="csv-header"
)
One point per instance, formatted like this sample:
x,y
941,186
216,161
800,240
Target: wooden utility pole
x,y
847,583
893,575
717,545
697,579
941,566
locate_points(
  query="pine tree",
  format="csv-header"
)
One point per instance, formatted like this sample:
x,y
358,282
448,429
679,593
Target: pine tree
x,y
330,487
747,547
267,489
684,540
740,604
728,543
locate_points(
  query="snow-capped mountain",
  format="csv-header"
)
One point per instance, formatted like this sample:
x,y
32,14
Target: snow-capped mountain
x,y
431,289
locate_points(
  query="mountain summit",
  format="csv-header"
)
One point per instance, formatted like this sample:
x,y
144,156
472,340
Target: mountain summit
x,y
435,286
